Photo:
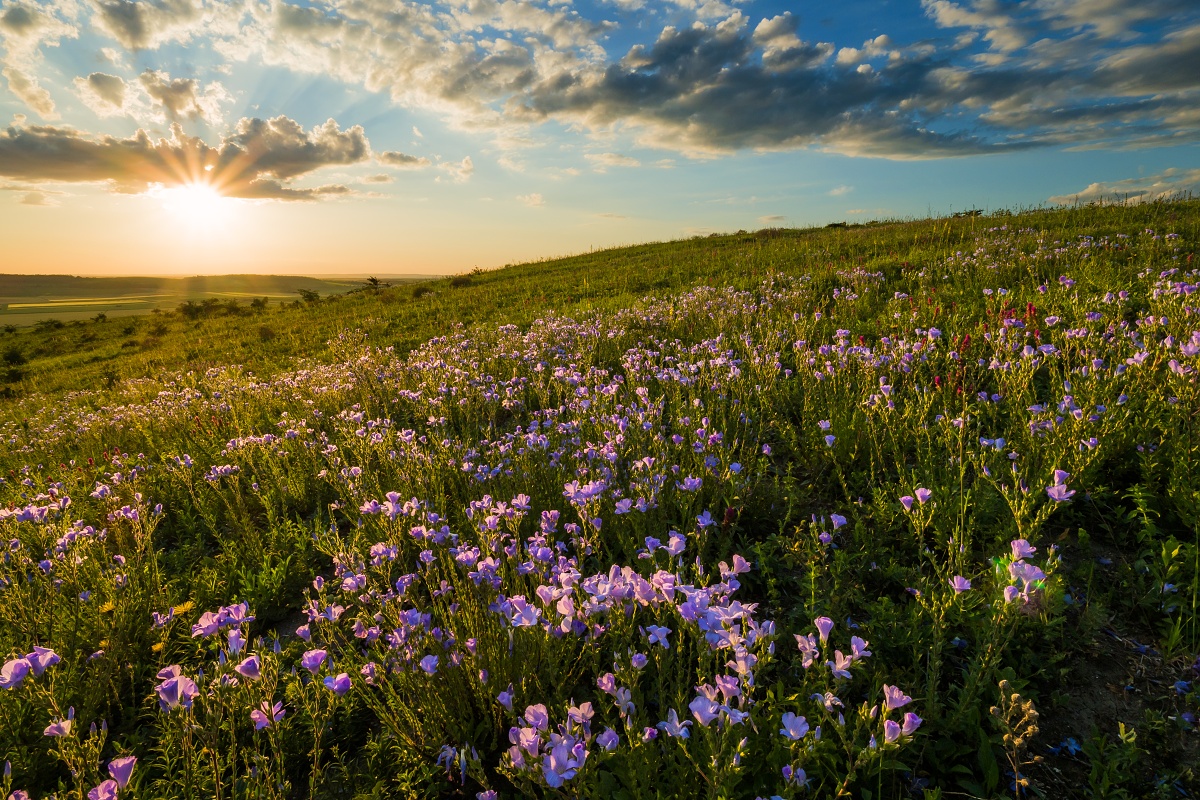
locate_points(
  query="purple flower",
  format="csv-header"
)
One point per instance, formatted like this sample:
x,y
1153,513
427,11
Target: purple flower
x,y
537,716
841,665
911,723
893,698
891,731
236,641
313,659
176,689
829,440
959,584
105,791
121,769
638,660
429,664
923,495
608,740
607,683
266,715
505,698
838,520
907,502
824,626
339,684
690,484
1022,549
1059,493
794,728
658,634
41,659
673,727
250,668
14,672
1061,477
60,727
858,648
704,710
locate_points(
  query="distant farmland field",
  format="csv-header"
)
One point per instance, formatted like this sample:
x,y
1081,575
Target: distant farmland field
x,y
27,299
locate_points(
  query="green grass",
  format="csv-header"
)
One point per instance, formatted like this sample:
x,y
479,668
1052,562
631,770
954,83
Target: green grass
x,y
784,396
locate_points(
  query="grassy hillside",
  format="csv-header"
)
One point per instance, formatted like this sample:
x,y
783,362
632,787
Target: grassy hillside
x,y
890,511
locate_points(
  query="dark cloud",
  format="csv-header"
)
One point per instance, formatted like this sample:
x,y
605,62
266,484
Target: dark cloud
x,y
104,94
703,89
256,161
146,24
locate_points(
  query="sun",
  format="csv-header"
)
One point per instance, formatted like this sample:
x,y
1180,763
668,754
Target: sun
x,y
198,205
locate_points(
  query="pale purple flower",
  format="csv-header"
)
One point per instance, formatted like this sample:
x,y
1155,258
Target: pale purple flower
x,y
266,715
505,698
893,698
1022,549
705,710
608,740
105,791
960,584
911,723
429,664
838,520
824,626
607,683
1059,493
61,727
41,659
177,690
673,727
313,659
907,502
923,495
121,769
638,660
14,672
858,648
891,731
537,716
824,424
840,665
794,728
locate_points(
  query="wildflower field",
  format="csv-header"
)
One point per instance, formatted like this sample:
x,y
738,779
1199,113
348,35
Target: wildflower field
x,y
903,510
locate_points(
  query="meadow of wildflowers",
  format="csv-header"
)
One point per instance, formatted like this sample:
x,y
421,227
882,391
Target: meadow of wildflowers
x,y
804,532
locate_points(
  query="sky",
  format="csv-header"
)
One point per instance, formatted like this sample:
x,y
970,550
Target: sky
x,y
391,137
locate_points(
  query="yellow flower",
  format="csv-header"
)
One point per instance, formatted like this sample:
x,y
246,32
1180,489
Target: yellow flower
x,y
183,608
108,607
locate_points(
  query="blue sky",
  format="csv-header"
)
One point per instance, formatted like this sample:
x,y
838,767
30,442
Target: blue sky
x,y
383,136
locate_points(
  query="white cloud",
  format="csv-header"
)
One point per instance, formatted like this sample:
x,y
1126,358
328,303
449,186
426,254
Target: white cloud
x,y
27,90
1169,183
532,200
458,171
601,162
840,191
